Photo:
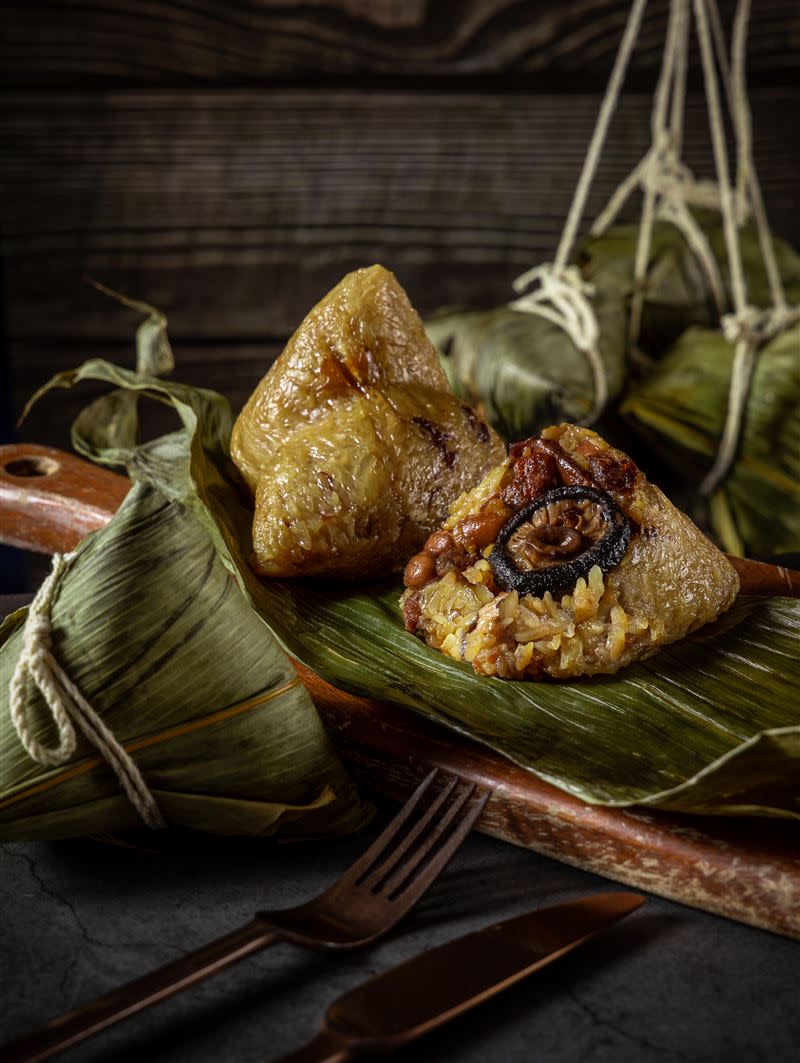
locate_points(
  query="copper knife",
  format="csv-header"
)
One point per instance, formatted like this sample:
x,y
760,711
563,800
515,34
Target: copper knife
x,y
408,1001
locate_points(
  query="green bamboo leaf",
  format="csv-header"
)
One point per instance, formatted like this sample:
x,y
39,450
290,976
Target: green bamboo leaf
x,y
710,724
154,355
677,291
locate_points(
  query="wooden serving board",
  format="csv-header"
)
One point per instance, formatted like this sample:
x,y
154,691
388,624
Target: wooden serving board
x,y
746,869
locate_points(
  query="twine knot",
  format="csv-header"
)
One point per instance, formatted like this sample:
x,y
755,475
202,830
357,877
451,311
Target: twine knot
x,y
744,326
756,327
66,703
568,294
562,296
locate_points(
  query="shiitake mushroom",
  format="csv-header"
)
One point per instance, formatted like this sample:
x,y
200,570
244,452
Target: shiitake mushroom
x,y
554,541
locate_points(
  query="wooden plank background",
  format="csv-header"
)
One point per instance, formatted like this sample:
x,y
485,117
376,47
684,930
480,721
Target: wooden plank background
x,y
229,162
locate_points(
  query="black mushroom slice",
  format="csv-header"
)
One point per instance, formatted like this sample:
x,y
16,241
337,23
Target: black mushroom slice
x,y
554,542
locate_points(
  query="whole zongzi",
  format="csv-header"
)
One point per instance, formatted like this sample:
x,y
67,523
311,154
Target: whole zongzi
x,y
678,291
160,640
524,371
353,444
680,409
564,561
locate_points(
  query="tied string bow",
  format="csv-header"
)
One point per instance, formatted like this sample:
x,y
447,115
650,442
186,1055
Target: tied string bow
x,y
66,703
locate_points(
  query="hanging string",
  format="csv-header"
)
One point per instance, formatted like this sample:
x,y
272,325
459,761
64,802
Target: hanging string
x,y
747,176
67,704
661,149
669,188
747,327
563,298
667,183
562,295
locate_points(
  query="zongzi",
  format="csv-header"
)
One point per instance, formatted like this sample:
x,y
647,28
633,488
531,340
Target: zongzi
x,y
183,673
353,444
678,291
564,561
680,408
524,371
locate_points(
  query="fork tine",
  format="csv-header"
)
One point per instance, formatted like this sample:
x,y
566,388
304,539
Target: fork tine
x,y
367,860
418,854
397,853
404,886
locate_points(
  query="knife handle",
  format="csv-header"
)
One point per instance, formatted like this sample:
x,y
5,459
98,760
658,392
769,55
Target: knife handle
x,y
326,1047
75,1026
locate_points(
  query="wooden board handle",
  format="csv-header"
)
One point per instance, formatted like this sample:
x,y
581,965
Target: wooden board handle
x,y
49,500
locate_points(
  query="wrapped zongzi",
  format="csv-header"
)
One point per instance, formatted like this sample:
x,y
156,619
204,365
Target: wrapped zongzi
x,y
680,409
678,289
525,371
165,648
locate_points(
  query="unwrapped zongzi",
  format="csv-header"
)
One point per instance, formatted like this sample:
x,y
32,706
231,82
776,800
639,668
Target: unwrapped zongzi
x,y
353,444
564,561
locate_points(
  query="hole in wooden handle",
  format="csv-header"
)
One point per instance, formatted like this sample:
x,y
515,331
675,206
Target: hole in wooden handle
x,y
33,466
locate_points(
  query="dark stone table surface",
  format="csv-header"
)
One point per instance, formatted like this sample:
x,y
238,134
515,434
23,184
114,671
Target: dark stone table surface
x,y
667,984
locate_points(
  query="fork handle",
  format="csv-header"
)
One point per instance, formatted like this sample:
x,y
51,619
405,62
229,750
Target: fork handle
x,y
75,1026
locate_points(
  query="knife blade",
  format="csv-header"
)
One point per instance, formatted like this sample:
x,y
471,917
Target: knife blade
x,y
430,989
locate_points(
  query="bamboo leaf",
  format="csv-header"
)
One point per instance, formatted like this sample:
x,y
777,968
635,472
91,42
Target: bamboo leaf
x,y
524,371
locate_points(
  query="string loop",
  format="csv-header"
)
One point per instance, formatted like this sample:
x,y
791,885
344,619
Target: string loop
x,y
66,703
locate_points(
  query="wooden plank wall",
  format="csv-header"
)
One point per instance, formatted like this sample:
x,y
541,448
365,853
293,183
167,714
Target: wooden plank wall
x,y
229,162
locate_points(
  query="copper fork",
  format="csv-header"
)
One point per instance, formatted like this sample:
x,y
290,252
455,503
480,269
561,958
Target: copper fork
x,y
366,902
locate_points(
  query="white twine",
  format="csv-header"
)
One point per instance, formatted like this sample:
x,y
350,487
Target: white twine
x,y
562,293
747,177
748,327
749,330
563,298
667,183
661,144
66,703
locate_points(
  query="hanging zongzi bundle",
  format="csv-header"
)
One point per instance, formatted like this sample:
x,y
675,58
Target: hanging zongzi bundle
x,y
352,443
678,288
524,371
563,561
680,409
